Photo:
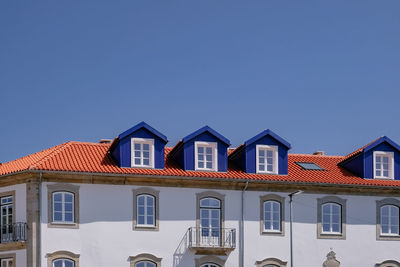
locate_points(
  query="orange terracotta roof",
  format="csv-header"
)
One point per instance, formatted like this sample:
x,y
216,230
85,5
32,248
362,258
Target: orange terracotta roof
x,y
93,158
358,151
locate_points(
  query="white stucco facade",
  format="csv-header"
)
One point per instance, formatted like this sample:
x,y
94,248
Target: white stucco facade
x,y
105,236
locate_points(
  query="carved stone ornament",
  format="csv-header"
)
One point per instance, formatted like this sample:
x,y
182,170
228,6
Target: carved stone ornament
x,y
331,260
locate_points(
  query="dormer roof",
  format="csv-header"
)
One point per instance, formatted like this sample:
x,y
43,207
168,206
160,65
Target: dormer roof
x,y
370,146
270,133
206,129
147,127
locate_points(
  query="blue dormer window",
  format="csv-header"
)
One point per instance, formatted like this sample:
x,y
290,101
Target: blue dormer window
x,y
267,159
383,165
206,156
141,146
142,152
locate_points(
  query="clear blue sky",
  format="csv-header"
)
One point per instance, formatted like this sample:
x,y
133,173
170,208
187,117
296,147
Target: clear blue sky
x,y
324,75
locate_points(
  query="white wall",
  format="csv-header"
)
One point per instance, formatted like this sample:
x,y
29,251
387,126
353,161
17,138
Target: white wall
x,y
20,200
105,236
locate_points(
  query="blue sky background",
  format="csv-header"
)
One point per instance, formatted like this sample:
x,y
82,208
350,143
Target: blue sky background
x,y
324,75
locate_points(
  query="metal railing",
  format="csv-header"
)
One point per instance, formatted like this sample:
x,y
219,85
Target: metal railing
x,y
203,237
13,232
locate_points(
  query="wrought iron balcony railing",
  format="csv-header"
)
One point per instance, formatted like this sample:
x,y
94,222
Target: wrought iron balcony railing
x,y
13,232
203,237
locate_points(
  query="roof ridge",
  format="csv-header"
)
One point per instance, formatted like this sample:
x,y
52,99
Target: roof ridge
x,y
57,150
29,155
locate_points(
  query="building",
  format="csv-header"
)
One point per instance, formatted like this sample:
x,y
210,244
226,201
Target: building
x,y
137,202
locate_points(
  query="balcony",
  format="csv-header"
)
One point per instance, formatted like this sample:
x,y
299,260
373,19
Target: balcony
x,y
12,236
211,241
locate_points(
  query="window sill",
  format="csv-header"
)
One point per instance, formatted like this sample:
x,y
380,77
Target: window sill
x,y
388,237
331,236
272,233
145,227
63,225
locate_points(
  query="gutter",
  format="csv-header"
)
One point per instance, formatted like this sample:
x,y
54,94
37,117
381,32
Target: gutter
x,y
241,228
194,178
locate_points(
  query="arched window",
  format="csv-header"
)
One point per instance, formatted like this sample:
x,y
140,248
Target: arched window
x,y
145,260
331,218
271,262
210,220
63,263
389,263
145,264
145,210
63,207
62,258
389,220
272,216
210,265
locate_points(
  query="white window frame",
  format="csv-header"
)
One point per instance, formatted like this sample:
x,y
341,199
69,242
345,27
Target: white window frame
x,y
63,260
145,211
142,141
390,224
274,150
214,147
331,232
391,164
63,221
272,230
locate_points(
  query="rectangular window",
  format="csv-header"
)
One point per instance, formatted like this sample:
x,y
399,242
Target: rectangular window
x,y
63,207
145,210
331,218
142,152
206,156
267,159
383,164
6,209
272,216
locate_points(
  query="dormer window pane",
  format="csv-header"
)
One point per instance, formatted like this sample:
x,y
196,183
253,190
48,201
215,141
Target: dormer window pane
x,y
267,159
143,152
206,156
383,166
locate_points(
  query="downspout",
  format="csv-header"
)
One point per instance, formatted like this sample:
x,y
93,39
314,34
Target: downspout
x,y
241,230
39,235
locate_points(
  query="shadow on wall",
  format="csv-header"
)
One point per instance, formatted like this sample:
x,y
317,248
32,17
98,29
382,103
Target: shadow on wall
x,y
181,255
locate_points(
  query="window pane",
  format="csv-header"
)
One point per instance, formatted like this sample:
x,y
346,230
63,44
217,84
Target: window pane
x,y
325,227
68,197
200,150
261,167
69,264
209,165
146,154
57,197
385,160
68,207
146,147
146,162
149,210
150,220
335,227
137,161
140,219
68,217
57,206
269,153
208,150
57,216
137,147
269,168
201,164
385,228
261,153
57,263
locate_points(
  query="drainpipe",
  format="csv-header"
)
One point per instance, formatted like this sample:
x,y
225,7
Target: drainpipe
x,y
291,223
241,230
39,235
